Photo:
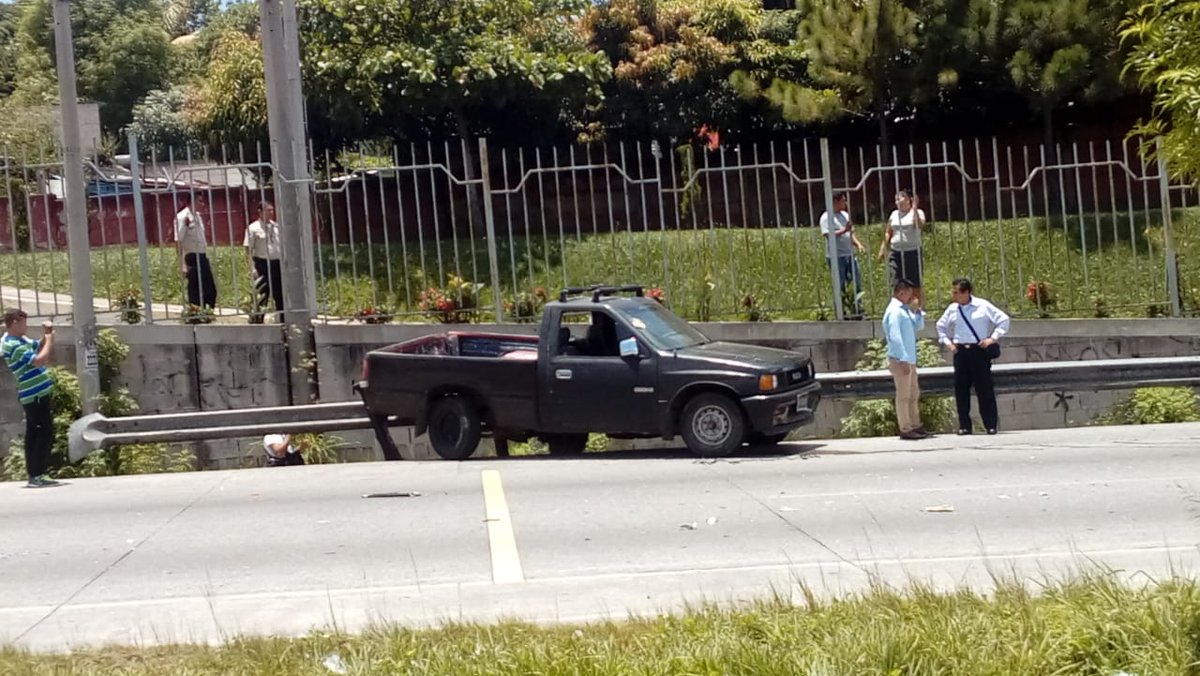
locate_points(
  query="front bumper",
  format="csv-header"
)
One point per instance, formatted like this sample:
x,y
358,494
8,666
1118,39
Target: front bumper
x,y
782,411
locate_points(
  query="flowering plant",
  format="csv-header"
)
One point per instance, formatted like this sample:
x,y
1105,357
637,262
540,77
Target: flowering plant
x,y
130,305
527,305
452,304
373,315
657,294
1040,294
194,314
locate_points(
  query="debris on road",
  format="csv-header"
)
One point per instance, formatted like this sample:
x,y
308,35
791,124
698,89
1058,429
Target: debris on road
x,y
404,494
712,521
940,508
688,526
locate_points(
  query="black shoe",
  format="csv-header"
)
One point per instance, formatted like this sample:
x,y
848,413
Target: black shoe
x,y
911,435
963,431
923,432
992,431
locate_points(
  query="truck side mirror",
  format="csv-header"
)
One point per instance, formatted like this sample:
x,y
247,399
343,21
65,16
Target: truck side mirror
x,y
629,348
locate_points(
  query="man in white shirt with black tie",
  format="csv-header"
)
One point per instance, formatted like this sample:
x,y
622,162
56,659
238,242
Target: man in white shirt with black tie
x,y
968,328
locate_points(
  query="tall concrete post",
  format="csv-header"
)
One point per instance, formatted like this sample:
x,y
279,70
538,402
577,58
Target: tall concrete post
x,y
75,191
293,188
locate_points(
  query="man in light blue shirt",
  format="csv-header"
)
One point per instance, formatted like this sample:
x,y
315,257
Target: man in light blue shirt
x,y
901,321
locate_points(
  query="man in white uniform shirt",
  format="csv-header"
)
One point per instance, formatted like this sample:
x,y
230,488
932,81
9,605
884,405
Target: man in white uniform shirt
x,y
280,451
192,247
968,328
264,249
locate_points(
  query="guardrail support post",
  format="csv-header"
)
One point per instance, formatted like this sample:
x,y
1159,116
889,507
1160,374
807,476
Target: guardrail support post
x,y
1164,192
489,219
831,240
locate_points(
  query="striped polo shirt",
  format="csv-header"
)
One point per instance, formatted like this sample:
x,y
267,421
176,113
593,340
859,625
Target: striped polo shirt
x,y
33,381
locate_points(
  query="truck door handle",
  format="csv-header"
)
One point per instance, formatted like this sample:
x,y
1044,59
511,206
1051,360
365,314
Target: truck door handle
x,y
562,374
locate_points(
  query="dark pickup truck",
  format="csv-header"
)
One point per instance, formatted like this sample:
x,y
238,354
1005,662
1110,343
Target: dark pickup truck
x,y
610,361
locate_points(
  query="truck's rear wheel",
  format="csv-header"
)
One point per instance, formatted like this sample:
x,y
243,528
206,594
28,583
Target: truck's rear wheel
x,y
454,427
566,444
712,425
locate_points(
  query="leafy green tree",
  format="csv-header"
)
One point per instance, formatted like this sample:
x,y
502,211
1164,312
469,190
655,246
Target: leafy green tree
x,y
867,51
121,53
160,121
1164,54
680,64
381,68
1059,52
182,17
9,20
231,107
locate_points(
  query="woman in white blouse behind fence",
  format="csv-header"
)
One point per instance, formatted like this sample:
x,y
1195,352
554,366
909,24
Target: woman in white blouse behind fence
x,y
971,328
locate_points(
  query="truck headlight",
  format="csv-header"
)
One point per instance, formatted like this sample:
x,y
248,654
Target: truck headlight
x,y
767,383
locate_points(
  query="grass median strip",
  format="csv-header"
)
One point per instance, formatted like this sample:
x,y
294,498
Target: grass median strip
x,y
1092,625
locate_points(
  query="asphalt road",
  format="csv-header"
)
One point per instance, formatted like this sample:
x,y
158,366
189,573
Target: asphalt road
x,y
206,556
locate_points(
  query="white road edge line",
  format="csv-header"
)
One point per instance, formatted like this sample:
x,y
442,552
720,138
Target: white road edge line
x,y
1083,555
506,562
988,488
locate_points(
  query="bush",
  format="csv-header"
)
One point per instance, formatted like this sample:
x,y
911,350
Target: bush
x,y
1154,406
877,417
67,406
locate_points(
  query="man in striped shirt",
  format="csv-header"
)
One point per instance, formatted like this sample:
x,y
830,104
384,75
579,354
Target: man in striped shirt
x,y
27,359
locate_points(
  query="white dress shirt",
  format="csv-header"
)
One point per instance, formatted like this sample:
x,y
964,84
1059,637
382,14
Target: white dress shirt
x,y
263,239
988,320
189,232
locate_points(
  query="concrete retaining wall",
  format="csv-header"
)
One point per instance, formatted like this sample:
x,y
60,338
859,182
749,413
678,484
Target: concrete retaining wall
x,y
182,368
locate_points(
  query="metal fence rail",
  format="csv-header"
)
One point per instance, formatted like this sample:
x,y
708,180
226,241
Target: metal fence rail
x,y
456,231
96,431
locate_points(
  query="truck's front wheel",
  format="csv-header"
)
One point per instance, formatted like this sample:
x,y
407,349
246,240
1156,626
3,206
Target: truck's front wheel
x,y
454,427
712,425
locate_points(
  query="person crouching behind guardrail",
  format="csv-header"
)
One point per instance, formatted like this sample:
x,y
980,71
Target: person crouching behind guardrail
x,y
27,359
901,321
970,328
280,451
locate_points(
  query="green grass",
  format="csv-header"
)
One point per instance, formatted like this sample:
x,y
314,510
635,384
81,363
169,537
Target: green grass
x,y
1093,625
1102,265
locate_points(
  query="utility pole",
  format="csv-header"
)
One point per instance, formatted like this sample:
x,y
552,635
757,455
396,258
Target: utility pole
x,y
75,191
293,187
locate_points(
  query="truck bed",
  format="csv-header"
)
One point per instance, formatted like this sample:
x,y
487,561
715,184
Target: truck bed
x,y
498,371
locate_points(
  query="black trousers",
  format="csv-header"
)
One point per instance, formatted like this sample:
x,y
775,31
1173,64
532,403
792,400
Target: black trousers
x,y
201,286
270,281
973,369
39,436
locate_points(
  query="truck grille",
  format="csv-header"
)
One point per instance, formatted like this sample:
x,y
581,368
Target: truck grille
x,y
797,376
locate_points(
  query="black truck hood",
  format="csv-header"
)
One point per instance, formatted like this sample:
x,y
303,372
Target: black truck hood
x,y
742,357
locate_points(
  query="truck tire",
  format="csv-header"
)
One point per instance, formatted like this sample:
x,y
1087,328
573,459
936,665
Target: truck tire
x,y
766,439
566,444
454,427
712,425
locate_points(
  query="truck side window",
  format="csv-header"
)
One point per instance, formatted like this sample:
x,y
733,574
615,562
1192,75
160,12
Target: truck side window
x,y
600,339
602,336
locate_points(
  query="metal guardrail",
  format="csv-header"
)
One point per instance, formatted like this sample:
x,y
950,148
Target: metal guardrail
x,y
1097,374
95,431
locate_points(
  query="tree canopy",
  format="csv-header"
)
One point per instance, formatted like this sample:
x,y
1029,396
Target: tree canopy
x,y
1164,41
540,71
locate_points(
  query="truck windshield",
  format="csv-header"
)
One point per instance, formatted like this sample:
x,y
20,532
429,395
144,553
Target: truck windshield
x,y
662,328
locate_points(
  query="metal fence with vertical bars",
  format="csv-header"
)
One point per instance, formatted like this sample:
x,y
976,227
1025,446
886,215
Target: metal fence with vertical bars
x,y
457,230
